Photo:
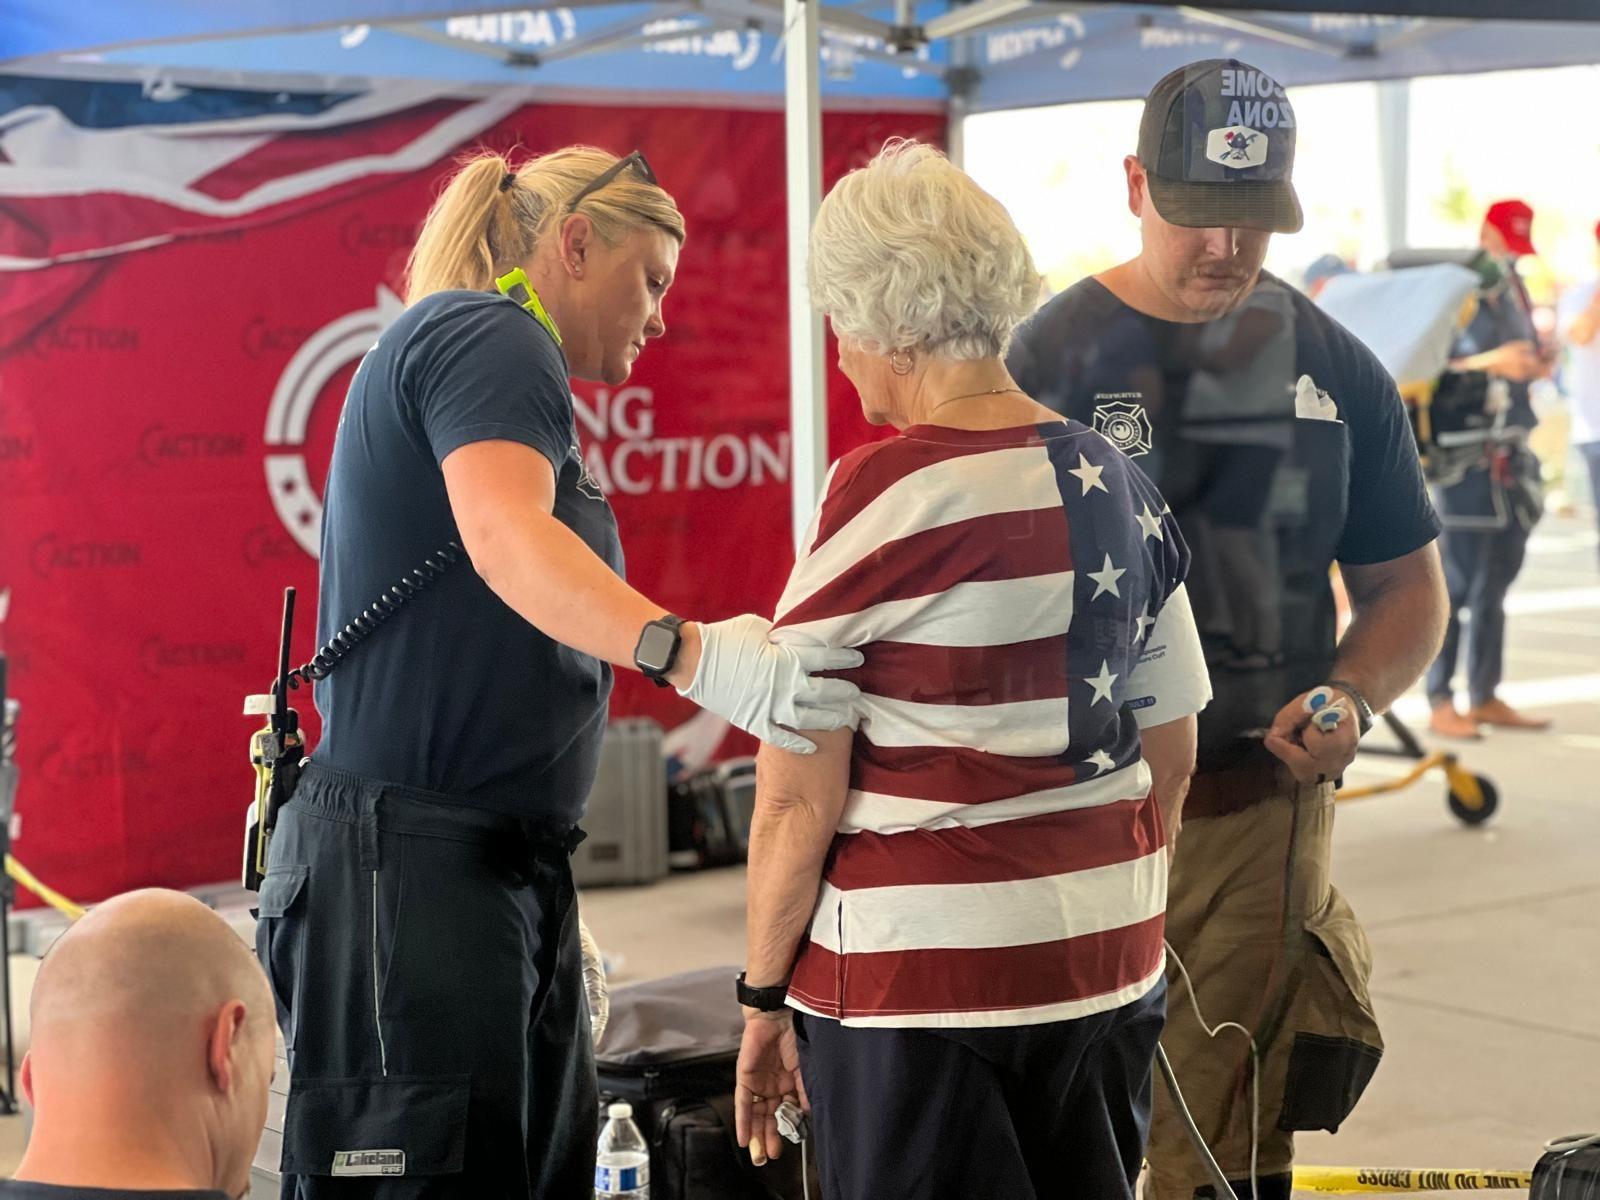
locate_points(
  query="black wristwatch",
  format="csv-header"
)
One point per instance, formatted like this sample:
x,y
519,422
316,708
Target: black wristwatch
x,y
1364,714
763,999
657,650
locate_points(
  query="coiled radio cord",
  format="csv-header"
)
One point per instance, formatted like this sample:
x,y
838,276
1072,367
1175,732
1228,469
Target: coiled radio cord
x,y
410,585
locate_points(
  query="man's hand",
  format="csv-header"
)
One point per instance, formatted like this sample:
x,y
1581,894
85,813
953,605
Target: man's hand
x,y
768,1073
1519,361
1310,754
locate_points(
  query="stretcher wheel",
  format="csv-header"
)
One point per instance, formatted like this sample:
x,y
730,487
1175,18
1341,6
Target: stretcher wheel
x,y
1475,814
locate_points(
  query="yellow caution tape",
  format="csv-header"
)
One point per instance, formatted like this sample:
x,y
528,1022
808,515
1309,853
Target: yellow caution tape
x,y
46,893
1347,1181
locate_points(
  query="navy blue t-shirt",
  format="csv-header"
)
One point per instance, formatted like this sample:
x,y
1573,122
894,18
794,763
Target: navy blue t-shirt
x,y
456,693
1281,445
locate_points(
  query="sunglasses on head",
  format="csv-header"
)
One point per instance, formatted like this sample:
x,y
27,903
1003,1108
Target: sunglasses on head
x,y
635,160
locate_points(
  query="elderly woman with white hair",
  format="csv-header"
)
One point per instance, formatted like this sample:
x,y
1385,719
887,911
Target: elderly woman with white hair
x,y
956,911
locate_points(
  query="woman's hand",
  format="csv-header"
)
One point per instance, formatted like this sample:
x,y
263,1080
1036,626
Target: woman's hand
x,y
768,689
595,989
768,1074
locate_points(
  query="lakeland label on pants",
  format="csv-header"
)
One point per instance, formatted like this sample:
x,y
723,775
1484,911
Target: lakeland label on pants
x,y
369,1162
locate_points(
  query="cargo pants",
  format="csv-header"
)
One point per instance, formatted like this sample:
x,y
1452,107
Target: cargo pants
x,y
1271,944
425,961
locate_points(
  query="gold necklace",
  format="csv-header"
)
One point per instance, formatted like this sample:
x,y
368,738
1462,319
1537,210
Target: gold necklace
x,y
999,391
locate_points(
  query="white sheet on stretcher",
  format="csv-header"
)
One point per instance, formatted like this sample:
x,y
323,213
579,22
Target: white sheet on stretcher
x,y
1408,318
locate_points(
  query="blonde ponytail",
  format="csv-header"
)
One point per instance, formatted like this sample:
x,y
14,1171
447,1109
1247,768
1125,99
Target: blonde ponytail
x,y
480,227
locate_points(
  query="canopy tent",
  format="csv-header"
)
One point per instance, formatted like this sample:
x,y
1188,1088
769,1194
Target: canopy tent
x,y
396,65
987,55
41,27
982,56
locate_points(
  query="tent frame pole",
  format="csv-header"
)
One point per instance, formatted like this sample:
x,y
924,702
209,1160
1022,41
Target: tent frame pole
x,y
1394,159
808,388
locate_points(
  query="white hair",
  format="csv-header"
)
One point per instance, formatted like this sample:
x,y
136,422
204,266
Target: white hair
x,y
909,253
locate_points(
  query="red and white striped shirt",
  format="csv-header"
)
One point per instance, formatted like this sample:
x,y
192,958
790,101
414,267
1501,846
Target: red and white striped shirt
x,y
1017,595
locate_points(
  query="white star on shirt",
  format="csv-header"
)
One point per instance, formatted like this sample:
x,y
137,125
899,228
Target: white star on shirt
x,y
1089,475
1102,760
1151,525
1142,622
1105,579
1101,683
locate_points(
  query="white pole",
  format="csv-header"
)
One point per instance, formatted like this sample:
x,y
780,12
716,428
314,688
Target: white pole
x,y
808,380
1394,158
956,132
956,110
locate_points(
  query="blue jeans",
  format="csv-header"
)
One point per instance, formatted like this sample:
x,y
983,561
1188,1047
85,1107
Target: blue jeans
x,y
1591,459
1479,569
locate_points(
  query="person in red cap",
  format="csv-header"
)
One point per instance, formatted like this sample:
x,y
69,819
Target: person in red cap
x,y
1508,229
1578,322
1489,512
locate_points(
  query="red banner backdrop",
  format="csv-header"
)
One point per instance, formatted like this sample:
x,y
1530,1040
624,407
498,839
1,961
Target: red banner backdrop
x,y
162,413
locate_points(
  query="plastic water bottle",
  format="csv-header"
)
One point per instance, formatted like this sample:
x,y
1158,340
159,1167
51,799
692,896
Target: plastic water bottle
x,y
622,1162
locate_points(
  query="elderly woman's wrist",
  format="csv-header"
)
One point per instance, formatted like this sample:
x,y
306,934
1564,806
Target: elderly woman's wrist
x,y
687,663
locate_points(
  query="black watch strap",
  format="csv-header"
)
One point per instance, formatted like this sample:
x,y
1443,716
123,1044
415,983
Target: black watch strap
x,y
658,674
763,999
1364,713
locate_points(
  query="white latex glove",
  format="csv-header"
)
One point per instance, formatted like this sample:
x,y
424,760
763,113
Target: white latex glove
x,y
594,983
761,686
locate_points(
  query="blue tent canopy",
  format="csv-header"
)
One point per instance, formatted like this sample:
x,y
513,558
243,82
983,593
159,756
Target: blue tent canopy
x,y
988,55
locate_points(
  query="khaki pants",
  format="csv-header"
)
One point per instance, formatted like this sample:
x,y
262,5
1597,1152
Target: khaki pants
x,y
1269,944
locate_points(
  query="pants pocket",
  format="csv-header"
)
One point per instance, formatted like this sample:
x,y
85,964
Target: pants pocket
x,y
398,1127
279,935
1335,1045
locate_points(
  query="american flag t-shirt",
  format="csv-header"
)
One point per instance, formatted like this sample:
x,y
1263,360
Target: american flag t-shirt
x,y
1017,595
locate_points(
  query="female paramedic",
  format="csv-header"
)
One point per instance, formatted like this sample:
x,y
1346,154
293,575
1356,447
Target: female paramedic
x,y
418,919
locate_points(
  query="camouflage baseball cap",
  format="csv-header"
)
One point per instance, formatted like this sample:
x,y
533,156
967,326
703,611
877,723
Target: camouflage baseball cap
x,y
1217,144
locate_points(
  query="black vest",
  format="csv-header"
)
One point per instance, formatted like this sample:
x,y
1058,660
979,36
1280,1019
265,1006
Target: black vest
x,y
1225,418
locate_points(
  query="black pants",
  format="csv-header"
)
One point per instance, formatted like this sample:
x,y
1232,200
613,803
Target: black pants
x,y
426,965
1027,1112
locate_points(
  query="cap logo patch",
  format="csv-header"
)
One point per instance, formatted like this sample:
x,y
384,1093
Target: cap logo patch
x,y
1237,146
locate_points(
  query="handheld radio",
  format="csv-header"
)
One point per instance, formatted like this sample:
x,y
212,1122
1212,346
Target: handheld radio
x,y
277,749
275,752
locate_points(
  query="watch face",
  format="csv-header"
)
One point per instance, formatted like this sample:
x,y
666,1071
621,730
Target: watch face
x,y
655,647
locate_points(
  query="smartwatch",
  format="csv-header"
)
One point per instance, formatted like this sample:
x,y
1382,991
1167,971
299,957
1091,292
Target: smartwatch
x,y
764,999
657,650
1364,714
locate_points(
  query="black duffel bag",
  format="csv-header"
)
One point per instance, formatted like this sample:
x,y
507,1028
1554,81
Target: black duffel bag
x,y
1569,1170
669,1050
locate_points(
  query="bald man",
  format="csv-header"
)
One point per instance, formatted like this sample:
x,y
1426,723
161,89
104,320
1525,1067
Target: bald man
x,y
151,1055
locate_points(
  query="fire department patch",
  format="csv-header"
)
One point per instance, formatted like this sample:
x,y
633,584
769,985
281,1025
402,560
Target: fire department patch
x,y
1125,425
